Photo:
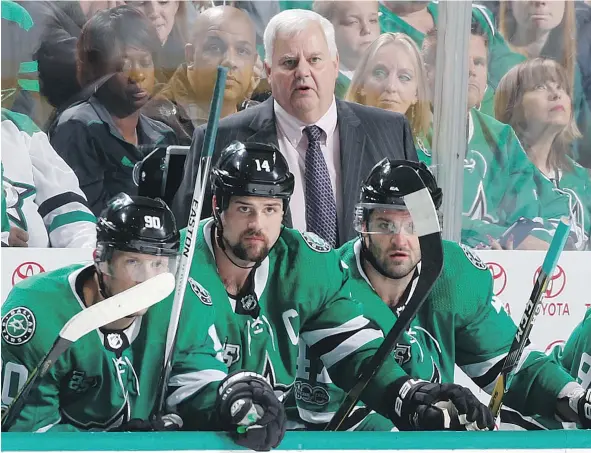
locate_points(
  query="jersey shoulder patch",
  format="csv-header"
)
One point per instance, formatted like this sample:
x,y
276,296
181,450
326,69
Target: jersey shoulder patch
x,y
473,257
18,326
315,242
200,291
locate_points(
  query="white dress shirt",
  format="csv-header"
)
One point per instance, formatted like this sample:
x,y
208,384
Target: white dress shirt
x,y
293,144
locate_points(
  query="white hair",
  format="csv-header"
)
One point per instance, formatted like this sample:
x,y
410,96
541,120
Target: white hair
x,y
293,22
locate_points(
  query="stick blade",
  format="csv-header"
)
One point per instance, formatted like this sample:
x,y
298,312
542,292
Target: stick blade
x,y
128,302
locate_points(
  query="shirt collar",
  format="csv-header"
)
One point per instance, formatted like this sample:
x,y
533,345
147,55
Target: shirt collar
x,y
293,128
145,131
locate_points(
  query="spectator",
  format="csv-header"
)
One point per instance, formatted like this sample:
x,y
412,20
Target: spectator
x,y
329,144
391,75
53,41
225,36
356,26
498,178
535,99
42,204
101,138
170,20
416,18
548,29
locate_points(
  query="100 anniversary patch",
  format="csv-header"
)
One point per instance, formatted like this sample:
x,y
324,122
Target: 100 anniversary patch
x,y
18,326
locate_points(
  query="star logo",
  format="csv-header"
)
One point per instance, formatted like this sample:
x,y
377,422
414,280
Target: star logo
x,y
16,194
18,326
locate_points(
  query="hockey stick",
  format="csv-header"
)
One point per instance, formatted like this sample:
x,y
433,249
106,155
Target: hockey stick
x,y
526,324
424,216
98,315
192,226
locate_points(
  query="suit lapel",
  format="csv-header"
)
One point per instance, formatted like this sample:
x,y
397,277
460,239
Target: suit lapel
x,y
263,125
264,130
352,148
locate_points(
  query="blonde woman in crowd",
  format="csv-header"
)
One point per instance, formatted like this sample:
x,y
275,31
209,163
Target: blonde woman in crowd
x,y
535,99
391,76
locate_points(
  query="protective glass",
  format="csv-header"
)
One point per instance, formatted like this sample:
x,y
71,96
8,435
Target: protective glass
x,y
138,267
373,218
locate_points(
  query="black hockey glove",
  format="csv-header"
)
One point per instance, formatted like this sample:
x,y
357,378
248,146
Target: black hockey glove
x,y
422,405
168,422
248,408
580,402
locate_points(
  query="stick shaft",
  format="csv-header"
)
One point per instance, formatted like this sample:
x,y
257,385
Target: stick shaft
x,y
10,415
191,230
527,320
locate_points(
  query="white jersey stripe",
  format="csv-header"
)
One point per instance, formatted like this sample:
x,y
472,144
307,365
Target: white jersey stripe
x,y
314,336
350,345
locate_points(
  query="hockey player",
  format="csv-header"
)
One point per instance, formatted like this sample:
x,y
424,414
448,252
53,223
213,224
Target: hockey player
x,y
461,322
108,379
273,287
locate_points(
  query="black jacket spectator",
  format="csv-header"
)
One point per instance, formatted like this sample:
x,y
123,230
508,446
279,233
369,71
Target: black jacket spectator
x,y
88,140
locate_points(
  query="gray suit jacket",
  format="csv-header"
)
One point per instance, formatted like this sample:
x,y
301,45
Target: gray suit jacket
x,y
366,134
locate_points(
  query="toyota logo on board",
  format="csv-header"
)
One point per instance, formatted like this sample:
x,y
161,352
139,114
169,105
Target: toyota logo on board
x,y
553,344
556,283
26,270
499,276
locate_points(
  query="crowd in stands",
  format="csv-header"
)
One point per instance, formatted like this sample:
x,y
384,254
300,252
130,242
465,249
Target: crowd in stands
x,y
90,88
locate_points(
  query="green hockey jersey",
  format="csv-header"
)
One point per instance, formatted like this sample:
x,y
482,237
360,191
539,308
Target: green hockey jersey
x,y
575,356
105,378
569,192
459,323
304,298
499,185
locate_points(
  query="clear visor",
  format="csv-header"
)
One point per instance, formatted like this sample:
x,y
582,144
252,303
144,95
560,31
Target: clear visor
x,y
138,267
373,218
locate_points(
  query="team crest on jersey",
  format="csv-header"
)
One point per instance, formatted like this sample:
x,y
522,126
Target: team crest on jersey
x,y
315,242
231,354
402,353
18,326
200,292
473,258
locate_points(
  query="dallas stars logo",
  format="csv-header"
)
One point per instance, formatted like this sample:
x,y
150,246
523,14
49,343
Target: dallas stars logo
x,y
281,390
16,194
18,326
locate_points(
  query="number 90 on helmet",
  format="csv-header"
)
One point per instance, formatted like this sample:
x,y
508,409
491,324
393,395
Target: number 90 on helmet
x,y
381,208
251,170
139,225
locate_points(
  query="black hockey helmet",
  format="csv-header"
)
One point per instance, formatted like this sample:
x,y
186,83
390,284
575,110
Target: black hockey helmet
x,y
385,188
251,169
137,224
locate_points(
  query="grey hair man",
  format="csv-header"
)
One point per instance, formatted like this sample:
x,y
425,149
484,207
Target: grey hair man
x,y
329,144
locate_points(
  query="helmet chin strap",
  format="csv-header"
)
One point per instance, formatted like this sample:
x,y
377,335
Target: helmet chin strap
x,y
221,241
102,286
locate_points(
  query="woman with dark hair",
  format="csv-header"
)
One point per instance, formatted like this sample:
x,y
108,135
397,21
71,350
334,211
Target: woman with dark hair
x,y
549,30
534,98
101,138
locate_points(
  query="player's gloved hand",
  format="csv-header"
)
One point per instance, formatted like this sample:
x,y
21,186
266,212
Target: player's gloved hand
x,y
248,408
580,402
422,405
167,422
